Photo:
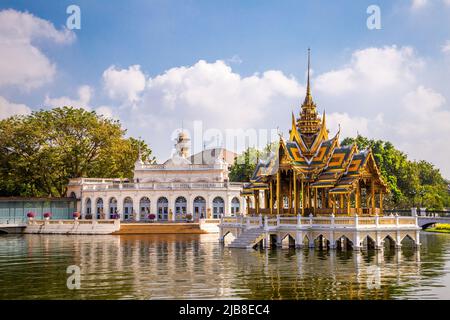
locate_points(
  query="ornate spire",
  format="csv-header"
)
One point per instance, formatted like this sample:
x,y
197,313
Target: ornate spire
x,y
309,122
308,97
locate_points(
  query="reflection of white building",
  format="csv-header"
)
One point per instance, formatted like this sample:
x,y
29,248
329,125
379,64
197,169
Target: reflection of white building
x,y
170,190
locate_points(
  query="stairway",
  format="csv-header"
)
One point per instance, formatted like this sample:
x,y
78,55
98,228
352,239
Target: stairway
x,y
248,238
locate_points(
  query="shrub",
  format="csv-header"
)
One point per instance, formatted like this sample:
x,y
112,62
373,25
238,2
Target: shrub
x,y
31,214
151,216
47,215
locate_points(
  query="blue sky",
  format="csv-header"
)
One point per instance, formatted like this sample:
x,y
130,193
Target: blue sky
x,y
253,75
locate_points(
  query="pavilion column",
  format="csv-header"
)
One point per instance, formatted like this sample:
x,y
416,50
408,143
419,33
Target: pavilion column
x,y
341,201
357,198
381,202
315,199
322,195
294,173
266,199
303,199
278,192
290,194
348,203
271,197
372,187
256,201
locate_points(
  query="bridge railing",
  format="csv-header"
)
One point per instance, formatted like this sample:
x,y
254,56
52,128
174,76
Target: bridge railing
x,y
298,221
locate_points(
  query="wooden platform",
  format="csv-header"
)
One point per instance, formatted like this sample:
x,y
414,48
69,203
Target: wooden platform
x,y
160,228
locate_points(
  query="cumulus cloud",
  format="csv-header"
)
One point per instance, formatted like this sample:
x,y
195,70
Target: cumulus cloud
x,y
83,100
380,93
21,62
419,4
124,84
446,47
8,109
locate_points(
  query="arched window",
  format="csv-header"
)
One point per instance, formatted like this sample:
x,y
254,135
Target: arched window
x,y
99,209
112,208
88,208
128,208
73,195
235,205
144,208
180,208
218,207
199,208
163,208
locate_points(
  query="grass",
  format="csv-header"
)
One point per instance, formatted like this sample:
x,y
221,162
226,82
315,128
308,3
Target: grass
x,y
440,227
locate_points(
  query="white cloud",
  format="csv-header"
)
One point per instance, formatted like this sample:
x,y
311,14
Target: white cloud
x,y
21,62
381,93
84,98
419,4
372,70
8,109
125,84
446,46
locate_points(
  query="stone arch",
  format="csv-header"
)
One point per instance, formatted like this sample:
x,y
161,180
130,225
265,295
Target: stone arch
x,y
235,205
229,236
343,242
73,195
368,242
144,208
162,207
408,241
128,209
99,208
390,241
180,208
199,208
88,207
321,242
287,240
112,208
218,207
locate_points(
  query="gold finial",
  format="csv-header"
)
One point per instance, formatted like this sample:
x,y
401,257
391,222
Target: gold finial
x,y
308,89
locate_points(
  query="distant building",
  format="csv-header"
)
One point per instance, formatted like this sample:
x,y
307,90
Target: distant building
x,y
171,190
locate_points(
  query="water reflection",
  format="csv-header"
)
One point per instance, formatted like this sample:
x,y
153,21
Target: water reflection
x,y
196,266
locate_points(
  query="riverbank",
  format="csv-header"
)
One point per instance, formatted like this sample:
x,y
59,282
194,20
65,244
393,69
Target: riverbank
x,y
440,228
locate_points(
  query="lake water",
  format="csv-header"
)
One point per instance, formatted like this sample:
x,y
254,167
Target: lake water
x,y
197,266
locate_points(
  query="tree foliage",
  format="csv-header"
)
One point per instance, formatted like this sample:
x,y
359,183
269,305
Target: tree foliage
x,y
40,152
411,183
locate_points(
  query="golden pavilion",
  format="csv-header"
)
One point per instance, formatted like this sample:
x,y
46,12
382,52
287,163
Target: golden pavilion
x,y
312,174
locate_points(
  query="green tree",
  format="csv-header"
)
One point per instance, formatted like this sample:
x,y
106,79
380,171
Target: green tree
x,y
411,183
40,152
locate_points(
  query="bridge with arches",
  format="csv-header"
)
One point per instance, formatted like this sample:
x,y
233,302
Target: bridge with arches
x,y
332,232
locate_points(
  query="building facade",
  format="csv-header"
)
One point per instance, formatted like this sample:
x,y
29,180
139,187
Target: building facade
x,y
175,190
310,173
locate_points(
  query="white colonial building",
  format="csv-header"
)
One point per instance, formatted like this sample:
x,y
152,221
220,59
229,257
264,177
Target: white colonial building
x,y
171,191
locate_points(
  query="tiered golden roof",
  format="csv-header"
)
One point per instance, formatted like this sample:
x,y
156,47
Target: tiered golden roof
x,y
318,162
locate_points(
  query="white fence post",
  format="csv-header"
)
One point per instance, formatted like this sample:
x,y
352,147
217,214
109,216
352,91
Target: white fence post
x,y
260,220
332,220
299,220
310,218
356,220
278,220
396,219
